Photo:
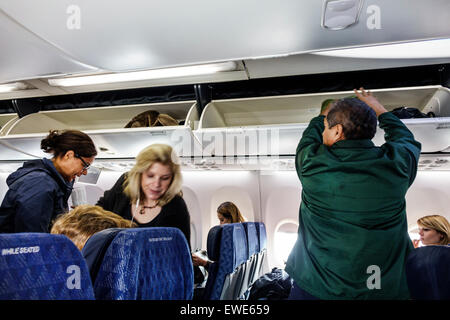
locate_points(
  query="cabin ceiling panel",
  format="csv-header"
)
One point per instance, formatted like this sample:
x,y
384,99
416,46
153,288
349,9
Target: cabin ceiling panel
x,y
79,35
25,55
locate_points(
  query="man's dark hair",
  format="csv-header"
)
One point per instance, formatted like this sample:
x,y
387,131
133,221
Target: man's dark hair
x,y
358,120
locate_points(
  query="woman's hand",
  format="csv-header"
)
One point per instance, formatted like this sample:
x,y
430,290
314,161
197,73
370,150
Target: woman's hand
x,y
416,243
197,261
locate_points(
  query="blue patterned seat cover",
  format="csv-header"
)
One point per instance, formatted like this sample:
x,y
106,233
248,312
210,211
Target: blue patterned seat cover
x,y
146,264
41,266
232,253
262,236
252,237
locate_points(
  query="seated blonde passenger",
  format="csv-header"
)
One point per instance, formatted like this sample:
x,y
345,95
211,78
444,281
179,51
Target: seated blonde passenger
x,y
84,221
433,230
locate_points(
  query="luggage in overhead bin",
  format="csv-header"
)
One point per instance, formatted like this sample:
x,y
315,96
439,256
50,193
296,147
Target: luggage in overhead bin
x,y
411,113
151,118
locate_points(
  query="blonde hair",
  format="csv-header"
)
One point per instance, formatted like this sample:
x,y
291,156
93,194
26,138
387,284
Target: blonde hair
x,y
155,153
439,224
231,212
84,221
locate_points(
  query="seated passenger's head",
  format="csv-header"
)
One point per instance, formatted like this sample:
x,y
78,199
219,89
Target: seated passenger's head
x,y
227,212
349,119
434,230
155,176
86,220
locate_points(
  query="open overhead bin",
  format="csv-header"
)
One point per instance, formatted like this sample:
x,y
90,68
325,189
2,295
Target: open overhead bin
x,y
274,125
6,120
105,126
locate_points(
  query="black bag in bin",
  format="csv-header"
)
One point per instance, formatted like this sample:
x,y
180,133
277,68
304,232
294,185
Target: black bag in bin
x,y
411,113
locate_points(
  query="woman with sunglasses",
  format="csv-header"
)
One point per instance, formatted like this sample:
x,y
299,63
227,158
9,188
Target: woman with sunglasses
x,y
40,189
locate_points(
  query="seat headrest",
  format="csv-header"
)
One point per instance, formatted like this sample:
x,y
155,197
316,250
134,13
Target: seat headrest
x,y
252,237
234,241
95,248
41,266
262,236
213,243
146,263
428,273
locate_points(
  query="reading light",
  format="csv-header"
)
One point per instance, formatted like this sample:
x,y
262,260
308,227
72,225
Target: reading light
x,y
145,75
410,50
14,86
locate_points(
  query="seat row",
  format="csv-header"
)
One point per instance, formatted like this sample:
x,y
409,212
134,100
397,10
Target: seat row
x,y
115,264
239,252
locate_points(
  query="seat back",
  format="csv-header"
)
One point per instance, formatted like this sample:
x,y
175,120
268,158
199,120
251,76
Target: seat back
x,y
227,247
262,238
428,273
253,252
146,264
41,266
95,248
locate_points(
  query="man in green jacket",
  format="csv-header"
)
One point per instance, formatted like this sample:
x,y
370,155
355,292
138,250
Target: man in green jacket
x,y
352,237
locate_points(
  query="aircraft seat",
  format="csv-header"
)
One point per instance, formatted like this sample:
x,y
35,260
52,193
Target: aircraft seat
x,y
41,266
253,252
428,273
146,264
227,247
95,248
262,237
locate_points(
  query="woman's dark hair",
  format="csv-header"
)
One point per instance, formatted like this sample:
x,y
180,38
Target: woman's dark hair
x,y
58,142
358,120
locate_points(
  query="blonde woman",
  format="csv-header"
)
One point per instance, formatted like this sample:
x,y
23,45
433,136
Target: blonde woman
x,y
86,220
433,230
150,193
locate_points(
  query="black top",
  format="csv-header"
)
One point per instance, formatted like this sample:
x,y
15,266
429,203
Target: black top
x,y
173,214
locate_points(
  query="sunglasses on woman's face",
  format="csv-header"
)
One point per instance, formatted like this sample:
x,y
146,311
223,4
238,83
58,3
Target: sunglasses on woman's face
x,y
85,164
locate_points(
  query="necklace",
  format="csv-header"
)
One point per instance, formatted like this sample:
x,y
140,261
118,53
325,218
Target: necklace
x,y
142,211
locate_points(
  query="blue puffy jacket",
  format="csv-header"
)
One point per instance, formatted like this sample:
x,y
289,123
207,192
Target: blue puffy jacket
x,y
37,194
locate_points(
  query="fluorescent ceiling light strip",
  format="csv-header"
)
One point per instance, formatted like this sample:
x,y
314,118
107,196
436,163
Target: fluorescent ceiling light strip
x,y
409,50
145,75
15,86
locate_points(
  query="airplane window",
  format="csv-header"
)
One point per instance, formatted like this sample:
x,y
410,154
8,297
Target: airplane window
x,y
284,240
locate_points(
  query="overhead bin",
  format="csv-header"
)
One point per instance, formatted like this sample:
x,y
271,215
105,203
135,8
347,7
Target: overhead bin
x,y
6,120
105,125
274,125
